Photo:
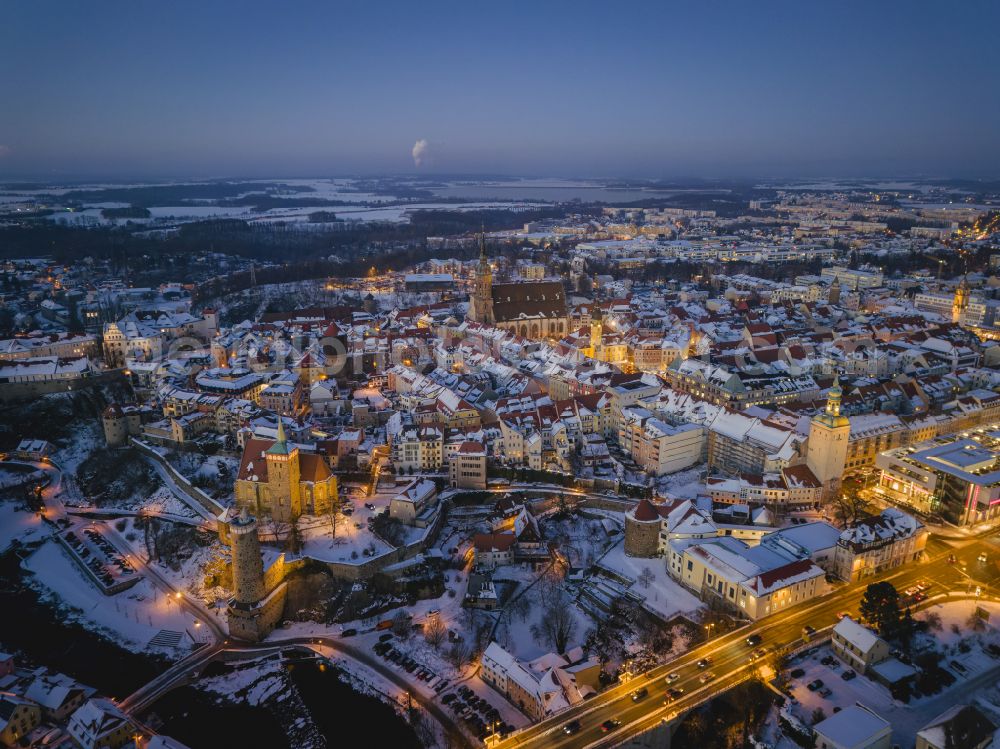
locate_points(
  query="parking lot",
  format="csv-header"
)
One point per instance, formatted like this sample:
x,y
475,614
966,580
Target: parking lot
x,y
479,715
104,564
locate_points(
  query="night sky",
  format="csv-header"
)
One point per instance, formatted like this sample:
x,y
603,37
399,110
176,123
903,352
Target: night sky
x,y
148,89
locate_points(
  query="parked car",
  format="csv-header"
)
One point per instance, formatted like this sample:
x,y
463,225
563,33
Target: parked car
x,y
797,673
848,674
814,685
825,692
349,632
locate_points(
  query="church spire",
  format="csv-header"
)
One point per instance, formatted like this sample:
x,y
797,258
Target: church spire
x,y
482,243
280,446
833,398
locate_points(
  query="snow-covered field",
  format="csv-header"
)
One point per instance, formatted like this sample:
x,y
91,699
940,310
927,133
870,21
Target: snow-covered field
x,y
16,523
131,618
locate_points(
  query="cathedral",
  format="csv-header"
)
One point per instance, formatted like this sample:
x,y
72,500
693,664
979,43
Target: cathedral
x,y
276,480
530,309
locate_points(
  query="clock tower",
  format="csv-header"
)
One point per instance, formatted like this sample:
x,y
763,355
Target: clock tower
x,y
829,432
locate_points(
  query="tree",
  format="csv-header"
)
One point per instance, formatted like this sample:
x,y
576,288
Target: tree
x,y
435,631
880,608
332,515
458,655
849,506
557,624
818,716
933,621
401,625
646,577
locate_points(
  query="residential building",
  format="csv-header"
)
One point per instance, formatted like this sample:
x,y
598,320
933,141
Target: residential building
x,y
467,466
874,545
854,727
858,646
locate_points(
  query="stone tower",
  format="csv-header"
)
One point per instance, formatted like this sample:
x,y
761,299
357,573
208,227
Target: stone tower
x,y
834,297
642,530
481,303
115,425
283,477
248,567
829,432
961,301
253,609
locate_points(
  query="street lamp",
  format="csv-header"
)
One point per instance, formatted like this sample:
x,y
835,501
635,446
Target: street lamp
x,y
493,738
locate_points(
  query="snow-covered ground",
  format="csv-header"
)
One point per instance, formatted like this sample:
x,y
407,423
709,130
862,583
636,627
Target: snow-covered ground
x,y
351,545
17,523
683,484
132,618
663,595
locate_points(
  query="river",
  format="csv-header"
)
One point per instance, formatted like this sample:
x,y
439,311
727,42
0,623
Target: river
x,y
38,631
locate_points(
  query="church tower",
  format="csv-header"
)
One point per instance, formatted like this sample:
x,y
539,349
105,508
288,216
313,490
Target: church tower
x,y
961,300
481,303
596,332
829,432
283,476
834,297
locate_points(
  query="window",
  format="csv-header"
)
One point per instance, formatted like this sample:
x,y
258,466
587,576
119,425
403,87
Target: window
x,y
690,565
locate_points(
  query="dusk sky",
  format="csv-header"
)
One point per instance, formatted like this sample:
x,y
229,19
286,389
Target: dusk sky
x,y
658,89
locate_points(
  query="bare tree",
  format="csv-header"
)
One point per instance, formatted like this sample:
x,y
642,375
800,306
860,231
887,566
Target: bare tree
x,y
401,625
458,655
646,577
333,515
434,631
557,624
933,621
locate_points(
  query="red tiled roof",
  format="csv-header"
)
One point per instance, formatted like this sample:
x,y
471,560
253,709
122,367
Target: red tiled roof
x,y
645,512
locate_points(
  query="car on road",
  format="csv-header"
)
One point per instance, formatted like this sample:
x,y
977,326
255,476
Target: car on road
x,y
639,694
610,724
705,662
758,654
706,677
572,727
952,559
807,633
673,694
754,640
672,677
982,558
848,674
842,614
815,685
